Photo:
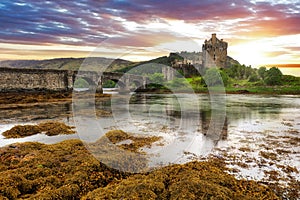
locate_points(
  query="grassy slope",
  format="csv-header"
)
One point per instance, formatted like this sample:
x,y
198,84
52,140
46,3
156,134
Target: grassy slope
x,y
69,63
290,86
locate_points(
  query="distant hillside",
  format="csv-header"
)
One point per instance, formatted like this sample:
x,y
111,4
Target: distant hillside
x,y
150,66
111,65
68,63
230,61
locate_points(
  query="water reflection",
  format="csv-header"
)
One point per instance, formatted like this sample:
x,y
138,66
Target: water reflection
x,y
179,119
33,112
207,122
262,107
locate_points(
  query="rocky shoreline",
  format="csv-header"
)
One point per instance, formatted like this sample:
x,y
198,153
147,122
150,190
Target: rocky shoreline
x,y
44,96
66,170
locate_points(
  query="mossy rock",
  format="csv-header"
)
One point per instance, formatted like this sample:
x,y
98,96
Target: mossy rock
x,y
67,170
195,180
20,131
117,136
48,128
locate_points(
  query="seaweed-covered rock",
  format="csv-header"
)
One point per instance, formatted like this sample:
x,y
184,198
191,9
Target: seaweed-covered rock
x,y
117,136
65,170
49,128
195,180
129,156
55,128
20,131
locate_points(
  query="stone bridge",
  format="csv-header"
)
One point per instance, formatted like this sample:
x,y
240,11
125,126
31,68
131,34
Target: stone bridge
x,y
15,79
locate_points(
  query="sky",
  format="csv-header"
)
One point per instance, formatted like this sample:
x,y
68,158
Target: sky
x,y
258,32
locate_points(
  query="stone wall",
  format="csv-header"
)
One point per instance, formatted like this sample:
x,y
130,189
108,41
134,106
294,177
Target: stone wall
x,y
188,70
35,79
14,79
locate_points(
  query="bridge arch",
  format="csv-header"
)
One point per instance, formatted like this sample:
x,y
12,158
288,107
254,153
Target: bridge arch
x,y
119,83
137,83
88,80
87,83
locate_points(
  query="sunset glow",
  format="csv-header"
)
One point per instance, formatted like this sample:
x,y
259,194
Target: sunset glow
x,y
259,32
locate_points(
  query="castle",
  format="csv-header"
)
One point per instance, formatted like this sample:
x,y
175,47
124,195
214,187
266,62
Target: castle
x,y
214,52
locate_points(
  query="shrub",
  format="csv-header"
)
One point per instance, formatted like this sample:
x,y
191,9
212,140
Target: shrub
x,y
215,77
273,76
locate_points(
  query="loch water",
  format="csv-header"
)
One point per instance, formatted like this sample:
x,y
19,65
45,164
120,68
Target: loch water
x,y
192,127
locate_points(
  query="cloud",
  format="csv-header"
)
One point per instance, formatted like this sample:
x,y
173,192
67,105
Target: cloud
x,y
89,20
47,23
145,39
293,48
143,23
276,53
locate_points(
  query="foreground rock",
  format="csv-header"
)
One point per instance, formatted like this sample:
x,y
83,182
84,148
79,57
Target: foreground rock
x,y
66,170
48,128
195,180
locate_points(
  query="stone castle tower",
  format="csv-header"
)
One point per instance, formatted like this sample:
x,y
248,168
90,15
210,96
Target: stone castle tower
x,y
214,52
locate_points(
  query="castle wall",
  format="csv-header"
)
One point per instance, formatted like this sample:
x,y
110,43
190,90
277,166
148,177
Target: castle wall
x,y
187,70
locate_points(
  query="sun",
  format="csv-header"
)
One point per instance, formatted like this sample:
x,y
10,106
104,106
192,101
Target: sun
x,y
251,53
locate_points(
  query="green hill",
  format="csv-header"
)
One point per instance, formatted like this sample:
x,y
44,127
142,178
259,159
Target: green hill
x,y
92,63
111,65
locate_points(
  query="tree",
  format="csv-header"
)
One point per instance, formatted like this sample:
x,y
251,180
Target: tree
x,y
262,72
273,76
214,77
238,71
253,78
178,83
248,72
157,78
109,84
232,71
225,77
